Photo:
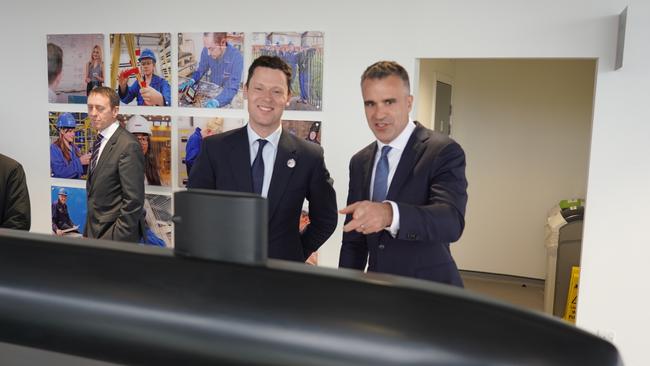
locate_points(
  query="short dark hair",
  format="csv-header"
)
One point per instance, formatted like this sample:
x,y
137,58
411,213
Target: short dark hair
x,y
217,37
383,69
54,62
107,92
272,62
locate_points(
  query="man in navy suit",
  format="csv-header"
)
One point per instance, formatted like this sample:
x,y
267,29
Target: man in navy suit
x,y
407,193
262,158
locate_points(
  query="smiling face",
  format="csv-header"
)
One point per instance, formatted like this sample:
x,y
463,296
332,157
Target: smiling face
x,y
100,111
267,95
67,134
387,104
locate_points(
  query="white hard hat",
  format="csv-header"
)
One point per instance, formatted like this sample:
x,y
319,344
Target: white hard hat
x,y
138,124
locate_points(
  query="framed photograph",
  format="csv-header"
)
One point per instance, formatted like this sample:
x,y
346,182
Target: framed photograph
x,y
191,131
303,51
306,130
75,65
71,141
141,68
158,220
210,70
154,135
69,210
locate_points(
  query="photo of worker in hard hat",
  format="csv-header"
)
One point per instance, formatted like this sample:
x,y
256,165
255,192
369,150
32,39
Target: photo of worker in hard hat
x,y
94,69
303,52
154,90
61,222
69,155
68,210
191,132
141,68
210,70
66,69
154,135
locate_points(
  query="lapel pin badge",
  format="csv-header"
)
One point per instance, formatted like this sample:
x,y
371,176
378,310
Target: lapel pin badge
x,y
291,163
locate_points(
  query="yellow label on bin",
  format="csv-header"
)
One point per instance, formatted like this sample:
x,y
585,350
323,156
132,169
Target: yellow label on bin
x,y
572,297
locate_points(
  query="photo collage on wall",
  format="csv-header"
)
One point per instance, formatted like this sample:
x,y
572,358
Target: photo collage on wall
x,y
208,75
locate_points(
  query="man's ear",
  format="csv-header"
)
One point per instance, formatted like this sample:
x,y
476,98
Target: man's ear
x,y
245,92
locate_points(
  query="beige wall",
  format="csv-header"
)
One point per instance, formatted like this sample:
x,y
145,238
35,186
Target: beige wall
x,y
525,126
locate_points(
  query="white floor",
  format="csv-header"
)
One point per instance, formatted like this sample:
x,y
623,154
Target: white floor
x,y
524,292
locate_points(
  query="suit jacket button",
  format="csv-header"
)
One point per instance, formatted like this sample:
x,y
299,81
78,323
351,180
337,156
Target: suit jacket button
x,y
412,236
381,246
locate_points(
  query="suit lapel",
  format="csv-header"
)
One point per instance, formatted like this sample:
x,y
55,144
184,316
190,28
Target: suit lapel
x,y
412,153
368,160
240,160
106,154
287,150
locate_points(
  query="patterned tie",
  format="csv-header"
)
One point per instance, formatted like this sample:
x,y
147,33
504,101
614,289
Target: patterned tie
x,y
95,155
257,169
380,187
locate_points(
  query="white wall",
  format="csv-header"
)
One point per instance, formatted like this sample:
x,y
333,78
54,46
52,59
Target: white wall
x,y
615,246
525,126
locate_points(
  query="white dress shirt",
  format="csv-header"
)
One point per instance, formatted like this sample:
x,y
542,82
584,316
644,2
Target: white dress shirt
x,y
107,133
394,155
268,155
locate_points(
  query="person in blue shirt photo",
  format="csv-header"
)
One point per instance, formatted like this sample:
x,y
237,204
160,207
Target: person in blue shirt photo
x,y
66,160
157,92
221,64
193,146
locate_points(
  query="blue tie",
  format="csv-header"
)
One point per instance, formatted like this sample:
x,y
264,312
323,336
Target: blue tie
x,y
257,169
380,188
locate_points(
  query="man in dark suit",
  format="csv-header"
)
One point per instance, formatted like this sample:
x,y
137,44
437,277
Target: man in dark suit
x,y
262,158
115,184
407,193
14,197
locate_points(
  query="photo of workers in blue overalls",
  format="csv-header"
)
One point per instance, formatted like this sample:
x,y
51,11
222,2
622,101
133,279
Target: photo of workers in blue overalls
x,y
210,69
153,90
67,160
303,52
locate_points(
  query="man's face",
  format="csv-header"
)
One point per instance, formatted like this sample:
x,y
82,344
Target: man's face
x,y
267,95
143,139
63,198
147,66
100,112
215,49
387,104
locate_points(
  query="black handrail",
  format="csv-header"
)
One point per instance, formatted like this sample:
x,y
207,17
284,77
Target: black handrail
x,y
135,305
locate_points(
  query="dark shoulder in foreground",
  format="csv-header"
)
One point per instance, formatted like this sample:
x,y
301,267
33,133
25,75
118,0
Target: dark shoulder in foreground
x,y
8,163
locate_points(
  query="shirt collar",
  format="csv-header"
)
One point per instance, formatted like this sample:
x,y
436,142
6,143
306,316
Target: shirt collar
x,y
110,130
273,138
401,140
